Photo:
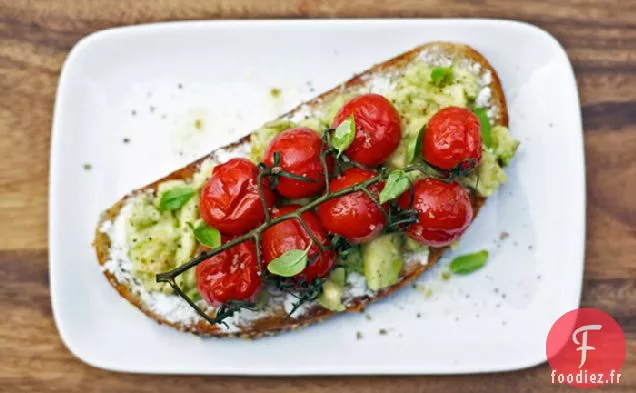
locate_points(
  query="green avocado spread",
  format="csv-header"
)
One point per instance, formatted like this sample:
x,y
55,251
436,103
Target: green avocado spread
x,y
162,240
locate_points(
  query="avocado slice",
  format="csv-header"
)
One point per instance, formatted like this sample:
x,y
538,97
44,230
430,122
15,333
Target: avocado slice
x,y
332,291
382,261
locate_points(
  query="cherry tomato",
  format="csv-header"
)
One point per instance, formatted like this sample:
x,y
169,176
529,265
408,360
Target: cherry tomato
x,y
290,235
444,212
353,216
452,139
299,150
229,275
378,129
230,200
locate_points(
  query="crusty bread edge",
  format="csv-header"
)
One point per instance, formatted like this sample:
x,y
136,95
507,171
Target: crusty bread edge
x,y
276,324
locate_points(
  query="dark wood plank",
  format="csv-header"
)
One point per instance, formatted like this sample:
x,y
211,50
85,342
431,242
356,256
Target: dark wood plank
x,y
599,36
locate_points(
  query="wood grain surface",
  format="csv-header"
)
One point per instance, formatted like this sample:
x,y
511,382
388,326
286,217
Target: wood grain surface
x,y
35,37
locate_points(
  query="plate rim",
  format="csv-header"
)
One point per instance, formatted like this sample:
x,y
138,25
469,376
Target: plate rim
x,y
56,173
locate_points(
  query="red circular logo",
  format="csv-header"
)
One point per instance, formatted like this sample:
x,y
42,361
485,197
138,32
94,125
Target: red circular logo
x,y
586,348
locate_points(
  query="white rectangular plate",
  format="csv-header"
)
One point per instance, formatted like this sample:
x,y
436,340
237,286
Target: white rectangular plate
x,y
151,83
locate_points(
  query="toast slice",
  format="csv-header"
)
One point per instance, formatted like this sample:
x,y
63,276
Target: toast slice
x,y
276,320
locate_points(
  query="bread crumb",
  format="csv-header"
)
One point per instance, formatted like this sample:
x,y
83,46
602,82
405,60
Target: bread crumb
x,y
503,235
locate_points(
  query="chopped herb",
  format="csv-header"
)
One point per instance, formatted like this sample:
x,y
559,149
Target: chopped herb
x,y
383,332
175,198
446,275
208,236
359,335
344,135
395,185
484,122
414,147
87,166
367,317
440,75
468,263
275,93
198,123
290,263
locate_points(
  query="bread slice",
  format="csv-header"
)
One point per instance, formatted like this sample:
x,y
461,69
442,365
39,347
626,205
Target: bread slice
x,y
279,321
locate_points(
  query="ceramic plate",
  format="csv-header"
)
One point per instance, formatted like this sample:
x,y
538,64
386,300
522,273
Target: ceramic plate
x,y
125,115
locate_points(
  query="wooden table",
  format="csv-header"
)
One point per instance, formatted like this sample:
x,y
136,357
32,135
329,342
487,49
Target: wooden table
x,y
600,37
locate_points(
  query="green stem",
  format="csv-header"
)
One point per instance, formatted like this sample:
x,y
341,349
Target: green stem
x,y
166,276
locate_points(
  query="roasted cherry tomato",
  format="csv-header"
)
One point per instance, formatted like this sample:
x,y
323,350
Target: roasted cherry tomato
x,y
444,211
230,200
353,216
378,129
452,139
299,150
229,275
290,235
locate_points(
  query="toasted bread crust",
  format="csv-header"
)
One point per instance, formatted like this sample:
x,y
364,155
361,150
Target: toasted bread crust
x,y
275,324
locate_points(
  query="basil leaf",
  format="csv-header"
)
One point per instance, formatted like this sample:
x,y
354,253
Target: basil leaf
x,y
439,75
484,123
468,263
290,263
344,135
208,236
396,184
175,198
415,146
